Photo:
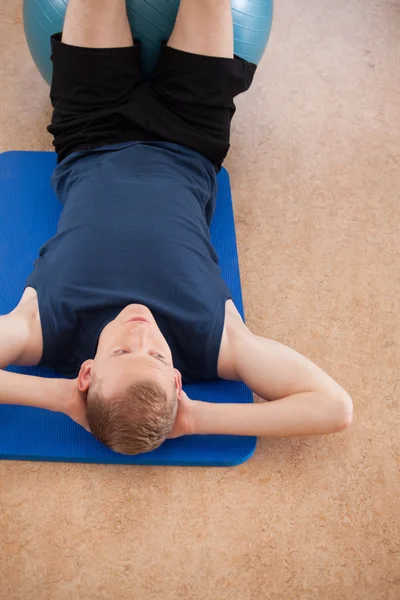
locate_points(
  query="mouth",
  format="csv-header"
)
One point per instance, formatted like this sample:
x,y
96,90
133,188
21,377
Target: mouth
x,y
137,320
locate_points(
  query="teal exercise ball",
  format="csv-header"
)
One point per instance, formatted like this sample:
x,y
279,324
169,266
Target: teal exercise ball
x,y
152,22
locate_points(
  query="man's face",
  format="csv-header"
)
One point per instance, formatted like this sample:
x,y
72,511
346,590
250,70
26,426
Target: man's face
x,y
131,349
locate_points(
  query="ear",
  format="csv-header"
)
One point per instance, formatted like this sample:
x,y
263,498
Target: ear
x,y
85,376
178,383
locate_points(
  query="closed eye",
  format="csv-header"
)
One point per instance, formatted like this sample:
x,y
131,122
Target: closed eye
x,y
159,357
119,352
155,355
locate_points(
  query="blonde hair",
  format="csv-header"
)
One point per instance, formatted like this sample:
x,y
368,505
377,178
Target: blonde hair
x,y
136,421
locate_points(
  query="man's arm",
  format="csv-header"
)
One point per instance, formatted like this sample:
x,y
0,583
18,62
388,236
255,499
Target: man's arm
x,y
58,395
306,400
25,390
14,335
15,339
21,344
21,341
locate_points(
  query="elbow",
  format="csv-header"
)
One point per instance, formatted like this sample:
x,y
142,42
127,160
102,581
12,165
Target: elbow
x,y
341,410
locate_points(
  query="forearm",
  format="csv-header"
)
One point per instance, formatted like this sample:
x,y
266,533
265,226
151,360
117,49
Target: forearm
x,y
26,390
304,414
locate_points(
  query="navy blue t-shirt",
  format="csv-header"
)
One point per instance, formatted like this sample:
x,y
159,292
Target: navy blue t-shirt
x,y
134,229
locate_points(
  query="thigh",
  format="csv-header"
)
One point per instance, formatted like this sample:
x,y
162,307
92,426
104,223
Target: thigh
x,y
193,96
90,89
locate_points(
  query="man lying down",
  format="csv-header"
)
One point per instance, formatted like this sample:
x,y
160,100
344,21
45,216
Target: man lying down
x,y
127,299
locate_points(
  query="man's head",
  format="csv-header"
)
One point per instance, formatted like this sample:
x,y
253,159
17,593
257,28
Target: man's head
x,y
132,387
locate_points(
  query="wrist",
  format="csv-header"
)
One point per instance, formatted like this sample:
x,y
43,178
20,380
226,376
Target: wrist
x,y
190,424
200,419
62,393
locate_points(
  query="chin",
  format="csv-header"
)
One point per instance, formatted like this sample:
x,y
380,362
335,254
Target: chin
x,y
136,310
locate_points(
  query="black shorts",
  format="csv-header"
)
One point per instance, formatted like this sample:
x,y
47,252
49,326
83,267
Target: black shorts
x,y
99,98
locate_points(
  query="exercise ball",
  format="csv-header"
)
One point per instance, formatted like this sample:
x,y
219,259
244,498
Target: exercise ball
x,y
151,21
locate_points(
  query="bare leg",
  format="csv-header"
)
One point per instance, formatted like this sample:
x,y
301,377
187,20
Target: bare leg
x,y
204,27
97,24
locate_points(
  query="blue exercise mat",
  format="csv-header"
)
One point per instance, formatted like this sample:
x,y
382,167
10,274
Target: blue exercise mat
x,y
29,212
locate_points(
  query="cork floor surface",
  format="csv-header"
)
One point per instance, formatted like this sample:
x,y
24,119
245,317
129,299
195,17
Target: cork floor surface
x,y
316,184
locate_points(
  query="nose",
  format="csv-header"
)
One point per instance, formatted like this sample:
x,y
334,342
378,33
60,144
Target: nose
x,y
138,337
